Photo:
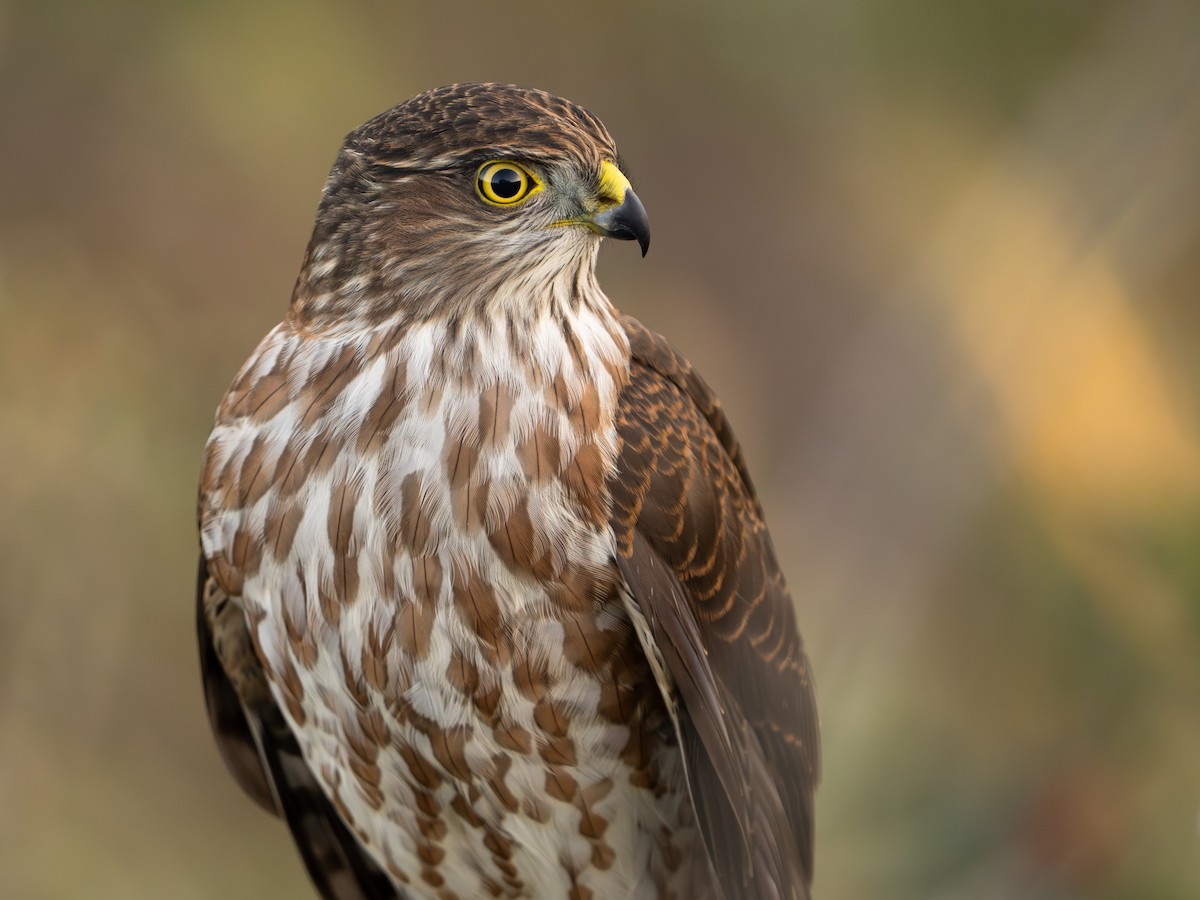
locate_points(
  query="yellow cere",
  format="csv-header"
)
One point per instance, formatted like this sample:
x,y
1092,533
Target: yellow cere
x,y
610,192
503,183
613,184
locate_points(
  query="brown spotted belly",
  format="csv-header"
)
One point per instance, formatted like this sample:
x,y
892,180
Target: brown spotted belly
x,y
532,760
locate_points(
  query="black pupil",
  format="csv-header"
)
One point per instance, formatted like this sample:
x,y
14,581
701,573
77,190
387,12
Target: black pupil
x,y
506,183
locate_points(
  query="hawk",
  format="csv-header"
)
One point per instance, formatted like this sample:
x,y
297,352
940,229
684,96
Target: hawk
x,y
486,604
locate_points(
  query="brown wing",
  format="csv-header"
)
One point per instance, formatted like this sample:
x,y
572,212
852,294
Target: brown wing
x,y
262,754
700,565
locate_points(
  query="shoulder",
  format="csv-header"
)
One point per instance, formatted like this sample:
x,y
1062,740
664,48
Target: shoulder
x,y
659,371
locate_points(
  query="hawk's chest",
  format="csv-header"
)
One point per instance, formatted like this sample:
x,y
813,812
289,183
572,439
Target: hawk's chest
x,y
439,612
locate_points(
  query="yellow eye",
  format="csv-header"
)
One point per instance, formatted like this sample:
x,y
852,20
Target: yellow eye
x,y
505,183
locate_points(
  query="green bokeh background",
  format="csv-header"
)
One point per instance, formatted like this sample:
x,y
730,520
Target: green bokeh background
x,y
940,259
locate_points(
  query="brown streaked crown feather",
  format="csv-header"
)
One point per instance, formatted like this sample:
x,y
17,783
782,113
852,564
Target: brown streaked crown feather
x,y
433,129
699,563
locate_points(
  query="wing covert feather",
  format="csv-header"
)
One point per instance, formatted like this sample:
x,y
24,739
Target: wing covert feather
x,y
699,562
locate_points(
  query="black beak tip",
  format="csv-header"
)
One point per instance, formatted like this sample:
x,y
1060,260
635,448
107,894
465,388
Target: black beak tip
x,y
630,232
643,239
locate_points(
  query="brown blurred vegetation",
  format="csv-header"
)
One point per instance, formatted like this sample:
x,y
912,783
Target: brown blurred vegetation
x,y
941,260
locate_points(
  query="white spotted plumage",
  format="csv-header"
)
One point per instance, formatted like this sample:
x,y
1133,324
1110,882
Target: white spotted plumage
x,y
321,631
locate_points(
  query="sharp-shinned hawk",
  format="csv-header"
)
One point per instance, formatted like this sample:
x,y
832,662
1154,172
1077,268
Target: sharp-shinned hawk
x,y
487,606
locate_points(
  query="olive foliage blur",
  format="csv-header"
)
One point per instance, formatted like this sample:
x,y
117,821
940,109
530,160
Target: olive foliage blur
x,y
941,260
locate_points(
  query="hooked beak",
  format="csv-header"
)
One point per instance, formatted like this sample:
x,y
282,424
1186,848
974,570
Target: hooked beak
x,y
622,215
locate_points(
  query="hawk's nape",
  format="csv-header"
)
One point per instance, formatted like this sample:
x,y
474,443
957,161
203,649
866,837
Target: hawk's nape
x,y
487,605
700,565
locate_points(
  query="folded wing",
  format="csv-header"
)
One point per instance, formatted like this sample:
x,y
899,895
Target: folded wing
x,y
701,569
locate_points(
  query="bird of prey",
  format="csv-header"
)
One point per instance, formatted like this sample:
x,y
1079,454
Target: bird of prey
x,y
486,604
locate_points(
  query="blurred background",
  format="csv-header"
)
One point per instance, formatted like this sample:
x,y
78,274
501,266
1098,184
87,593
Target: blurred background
x,y
940,259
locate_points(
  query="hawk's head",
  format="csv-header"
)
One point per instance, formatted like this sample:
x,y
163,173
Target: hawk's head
x,y
460,196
